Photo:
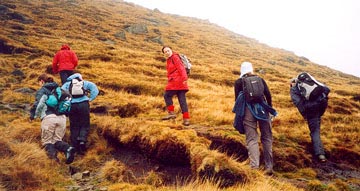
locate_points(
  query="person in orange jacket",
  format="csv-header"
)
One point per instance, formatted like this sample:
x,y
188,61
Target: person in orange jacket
x,y
64,62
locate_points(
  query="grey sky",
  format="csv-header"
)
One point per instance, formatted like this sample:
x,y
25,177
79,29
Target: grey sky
x,y
325,31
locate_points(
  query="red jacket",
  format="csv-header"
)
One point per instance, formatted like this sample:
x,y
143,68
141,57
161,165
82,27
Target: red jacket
x,y
176,73
64,59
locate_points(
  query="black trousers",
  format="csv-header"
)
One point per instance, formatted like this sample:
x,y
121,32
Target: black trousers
x,y
79,123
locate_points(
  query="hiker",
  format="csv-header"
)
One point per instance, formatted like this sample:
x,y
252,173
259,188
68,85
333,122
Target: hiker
x,y
64,62
311,110
176,85
53,126
80,109
254,113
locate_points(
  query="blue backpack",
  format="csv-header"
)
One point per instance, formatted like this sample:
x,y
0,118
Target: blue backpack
x,y
60,101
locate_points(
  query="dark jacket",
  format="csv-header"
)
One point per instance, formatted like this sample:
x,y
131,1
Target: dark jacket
x,y
307,108
44,90
259,111
238,87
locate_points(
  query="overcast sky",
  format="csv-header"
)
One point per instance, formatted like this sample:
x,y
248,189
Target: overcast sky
x,y
325,31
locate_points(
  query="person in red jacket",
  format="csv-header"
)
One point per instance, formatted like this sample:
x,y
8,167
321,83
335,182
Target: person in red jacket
x,y
176,85
64,62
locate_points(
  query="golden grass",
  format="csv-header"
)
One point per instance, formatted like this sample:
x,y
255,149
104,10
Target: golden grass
x,y
131,75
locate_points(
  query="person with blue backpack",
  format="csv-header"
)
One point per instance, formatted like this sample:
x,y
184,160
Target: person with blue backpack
x,y
80,109
53,124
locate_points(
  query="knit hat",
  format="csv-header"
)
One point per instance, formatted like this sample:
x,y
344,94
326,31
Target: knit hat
x,y
246,67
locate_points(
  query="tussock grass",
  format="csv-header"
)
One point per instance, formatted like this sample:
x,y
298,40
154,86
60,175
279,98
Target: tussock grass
x,y
131,76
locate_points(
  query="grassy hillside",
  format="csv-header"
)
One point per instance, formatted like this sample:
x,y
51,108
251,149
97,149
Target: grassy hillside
x,y
130,148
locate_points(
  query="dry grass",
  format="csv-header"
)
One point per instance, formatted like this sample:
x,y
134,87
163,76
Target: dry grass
x,y
131,76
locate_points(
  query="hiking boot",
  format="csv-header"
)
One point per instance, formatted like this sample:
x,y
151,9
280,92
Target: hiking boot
x,y
171,115
186,122
269,172
322,158
70,155
82,148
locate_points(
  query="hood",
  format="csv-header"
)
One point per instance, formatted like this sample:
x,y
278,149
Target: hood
x,y
76,75
246,67
65,47
50,85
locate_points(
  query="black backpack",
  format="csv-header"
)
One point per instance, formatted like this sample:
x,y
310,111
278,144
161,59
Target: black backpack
x,y
253,88
309,88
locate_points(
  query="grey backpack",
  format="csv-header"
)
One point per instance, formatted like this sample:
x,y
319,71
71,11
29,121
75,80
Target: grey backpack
x,y
77,88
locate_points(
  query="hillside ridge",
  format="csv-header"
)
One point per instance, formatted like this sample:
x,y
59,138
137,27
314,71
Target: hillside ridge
x,y
119,49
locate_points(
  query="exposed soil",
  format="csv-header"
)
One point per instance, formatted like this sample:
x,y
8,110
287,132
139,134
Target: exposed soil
x,y
140,165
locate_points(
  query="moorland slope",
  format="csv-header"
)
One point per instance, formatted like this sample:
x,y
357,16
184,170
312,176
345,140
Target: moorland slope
x,y
130,148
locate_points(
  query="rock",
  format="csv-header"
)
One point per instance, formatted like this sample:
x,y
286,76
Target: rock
x,y
86,174
137,29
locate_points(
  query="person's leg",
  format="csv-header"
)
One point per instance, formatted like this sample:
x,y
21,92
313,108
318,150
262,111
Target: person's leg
x,y
60,145
84,117
169,104
64,74
184,107
68,151
314,126
266,141
47,132
74,125
60,127
251,135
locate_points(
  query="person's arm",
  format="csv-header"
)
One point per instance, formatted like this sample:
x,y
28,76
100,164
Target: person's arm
x,y
237,88
75,59
267,93
38,96
94,91
297,100
40,106
55,64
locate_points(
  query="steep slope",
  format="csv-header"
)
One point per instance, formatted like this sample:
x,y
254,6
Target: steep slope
x,y
119,48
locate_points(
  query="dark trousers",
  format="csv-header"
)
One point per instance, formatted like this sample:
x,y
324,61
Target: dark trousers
x,y
64,74
314,127
181,97
79,123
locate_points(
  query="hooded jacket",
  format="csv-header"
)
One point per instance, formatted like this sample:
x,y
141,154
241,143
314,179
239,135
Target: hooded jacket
x,y
39,108
88,87
64,59
309,109
176,73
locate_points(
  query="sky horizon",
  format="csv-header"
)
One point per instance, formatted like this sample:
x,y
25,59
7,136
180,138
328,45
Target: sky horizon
x,y
325,32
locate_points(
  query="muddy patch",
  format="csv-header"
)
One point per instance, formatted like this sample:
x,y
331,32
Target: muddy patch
x,y
141,165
